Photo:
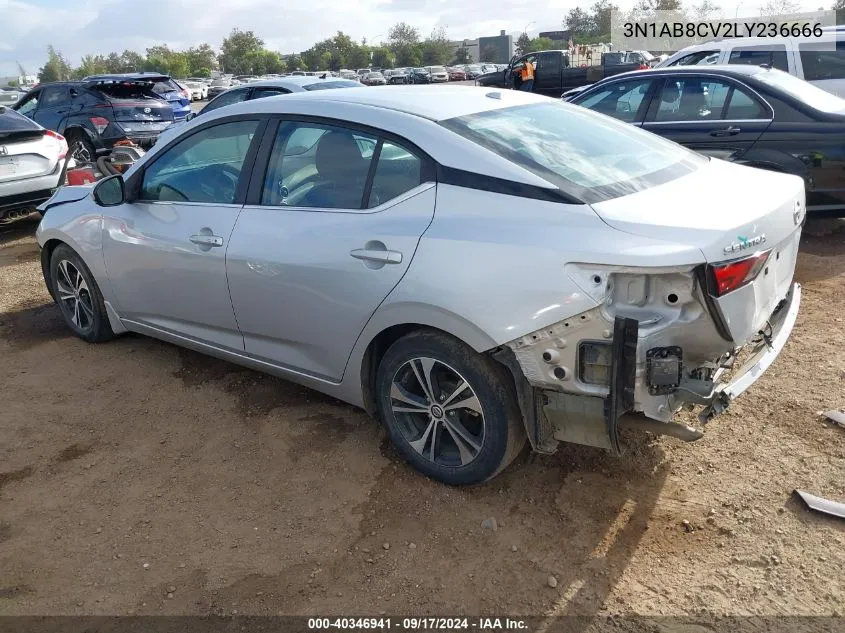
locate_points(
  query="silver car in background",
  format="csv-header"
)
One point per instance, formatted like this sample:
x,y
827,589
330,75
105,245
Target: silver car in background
x,y
473,267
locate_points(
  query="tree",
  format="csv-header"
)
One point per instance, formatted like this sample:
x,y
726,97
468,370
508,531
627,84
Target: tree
x,y
462,55
56,68
522,44
236,47
382,57
541,44
200,57
436,50
358,57
579,21
294,62
645,9
601,18
775,8
91,65
707,10
839,7
402,34
130,61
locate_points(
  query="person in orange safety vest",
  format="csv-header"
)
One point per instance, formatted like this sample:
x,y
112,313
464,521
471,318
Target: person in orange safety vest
x,y
527,76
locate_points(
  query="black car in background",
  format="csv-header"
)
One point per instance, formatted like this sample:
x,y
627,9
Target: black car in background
x,y
419,76
93,115
753,115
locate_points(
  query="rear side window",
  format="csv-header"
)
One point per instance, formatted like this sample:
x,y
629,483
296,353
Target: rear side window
x,y
774,55
397,172
744,106
822,64
52,96
227,98
260,93
588,156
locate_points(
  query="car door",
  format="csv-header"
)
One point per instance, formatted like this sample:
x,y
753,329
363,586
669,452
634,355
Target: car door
x,y
547,77
165,251
713,115
327,233
53,107
624,99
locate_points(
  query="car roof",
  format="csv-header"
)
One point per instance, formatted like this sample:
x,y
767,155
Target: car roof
x,y
446,102
735,70
293,82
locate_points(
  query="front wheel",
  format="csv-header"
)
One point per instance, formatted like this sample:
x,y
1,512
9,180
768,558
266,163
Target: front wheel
x,y
78,296
451,412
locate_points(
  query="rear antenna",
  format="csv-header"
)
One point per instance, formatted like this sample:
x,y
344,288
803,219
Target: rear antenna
x,y
767,65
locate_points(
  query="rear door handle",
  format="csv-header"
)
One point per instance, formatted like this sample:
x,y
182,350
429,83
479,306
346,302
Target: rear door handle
x,y
728,131
207,240
377,256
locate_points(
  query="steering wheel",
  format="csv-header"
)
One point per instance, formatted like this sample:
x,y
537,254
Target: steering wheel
x,y
222,182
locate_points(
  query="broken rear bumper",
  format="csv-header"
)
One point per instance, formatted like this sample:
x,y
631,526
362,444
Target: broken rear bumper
x,y
781,325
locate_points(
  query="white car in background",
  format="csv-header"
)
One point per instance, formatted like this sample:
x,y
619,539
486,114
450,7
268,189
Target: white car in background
x,y
32,164
438,74
199,91
472,266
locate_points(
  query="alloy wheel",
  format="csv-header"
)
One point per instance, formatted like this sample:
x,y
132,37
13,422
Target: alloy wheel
x,y
74,296
438,412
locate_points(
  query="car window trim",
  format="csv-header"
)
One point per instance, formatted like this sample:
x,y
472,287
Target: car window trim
x,y
371,173
135,182
428,169
732,83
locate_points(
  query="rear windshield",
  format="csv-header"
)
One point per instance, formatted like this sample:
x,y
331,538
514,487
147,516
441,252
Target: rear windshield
x,y
126,90
325,85
165,85
803,91
587,155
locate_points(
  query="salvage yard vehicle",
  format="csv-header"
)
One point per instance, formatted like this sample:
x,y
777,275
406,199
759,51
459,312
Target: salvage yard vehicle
x,y
177,97
751,115
32,164
472,267
95,114
272,88
554,73
819,60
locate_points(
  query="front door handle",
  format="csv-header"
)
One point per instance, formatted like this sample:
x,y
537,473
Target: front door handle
x,y
728,131
377,256
207,240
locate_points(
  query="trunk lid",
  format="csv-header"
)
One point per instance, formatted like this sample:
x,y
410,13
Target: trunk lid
x,y
25,151
728,212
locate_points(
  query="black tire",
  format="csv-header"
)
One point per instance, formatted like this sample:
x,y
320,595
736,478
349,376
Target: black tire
x,y
80,147
492,423
78,296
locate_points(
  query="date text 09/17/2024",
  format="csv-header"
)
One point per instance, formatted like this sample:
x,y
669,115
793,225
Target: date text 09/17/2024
x,y
417,624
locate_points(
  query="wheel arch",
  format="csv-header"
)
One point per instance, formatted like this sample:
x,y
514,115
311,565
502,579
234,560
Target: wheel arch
x,y
379,336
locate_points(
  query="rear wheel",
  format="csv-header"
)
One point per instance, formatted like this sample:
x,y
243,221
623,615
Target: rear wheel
x,y
80,147
78,296
451,412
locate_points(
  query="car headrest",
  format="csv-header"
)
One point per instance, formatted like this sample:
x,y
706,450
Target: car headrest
x,y
338,157
670,93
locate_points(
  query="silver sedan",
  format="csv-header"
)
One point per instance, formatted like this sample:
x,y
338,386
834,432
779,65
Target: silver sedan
x,y
473,267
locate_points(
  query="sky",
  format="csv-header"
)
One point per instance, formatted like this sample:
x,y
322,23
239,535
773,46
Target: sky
x,y
79,27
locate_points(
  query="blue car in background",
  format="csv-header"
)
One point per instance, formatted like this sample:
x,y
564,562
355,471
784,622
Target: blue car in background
x,y
163,85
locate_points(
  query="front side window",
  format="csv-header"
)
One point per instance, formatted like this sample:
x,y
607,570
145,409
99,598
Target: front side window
x,y
821,64
316,165
260,93
690,99
204,167
773,55
227,98
621,99
587,156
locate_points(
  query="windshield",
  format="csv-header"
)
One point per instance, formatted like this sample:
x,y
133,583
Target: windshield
x,y
437,69
220,82
801,90
587,155
339,83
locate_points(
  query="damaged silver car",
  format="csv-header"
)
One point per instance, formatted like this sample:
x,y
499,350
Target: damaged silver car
x,y
473,267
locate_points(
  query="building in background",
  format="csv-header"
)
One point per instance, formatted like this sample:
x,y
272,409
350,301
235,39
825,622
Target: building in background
x,y
560,38
497,49
471,46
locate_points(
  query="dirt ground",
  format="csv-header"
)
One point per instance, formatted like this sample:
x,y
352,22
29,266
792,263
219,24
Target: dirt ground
x,y
138,478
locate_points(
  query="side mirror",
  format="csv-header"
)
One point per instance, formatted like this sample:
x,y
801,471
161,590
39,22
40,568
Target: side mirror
x,y
109,191
191,115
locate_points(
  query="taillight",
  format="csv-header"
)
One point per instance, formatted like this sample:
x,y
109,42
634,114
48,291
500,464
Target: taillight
x,y
99,123
643,67
735,274
60,140
186,94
